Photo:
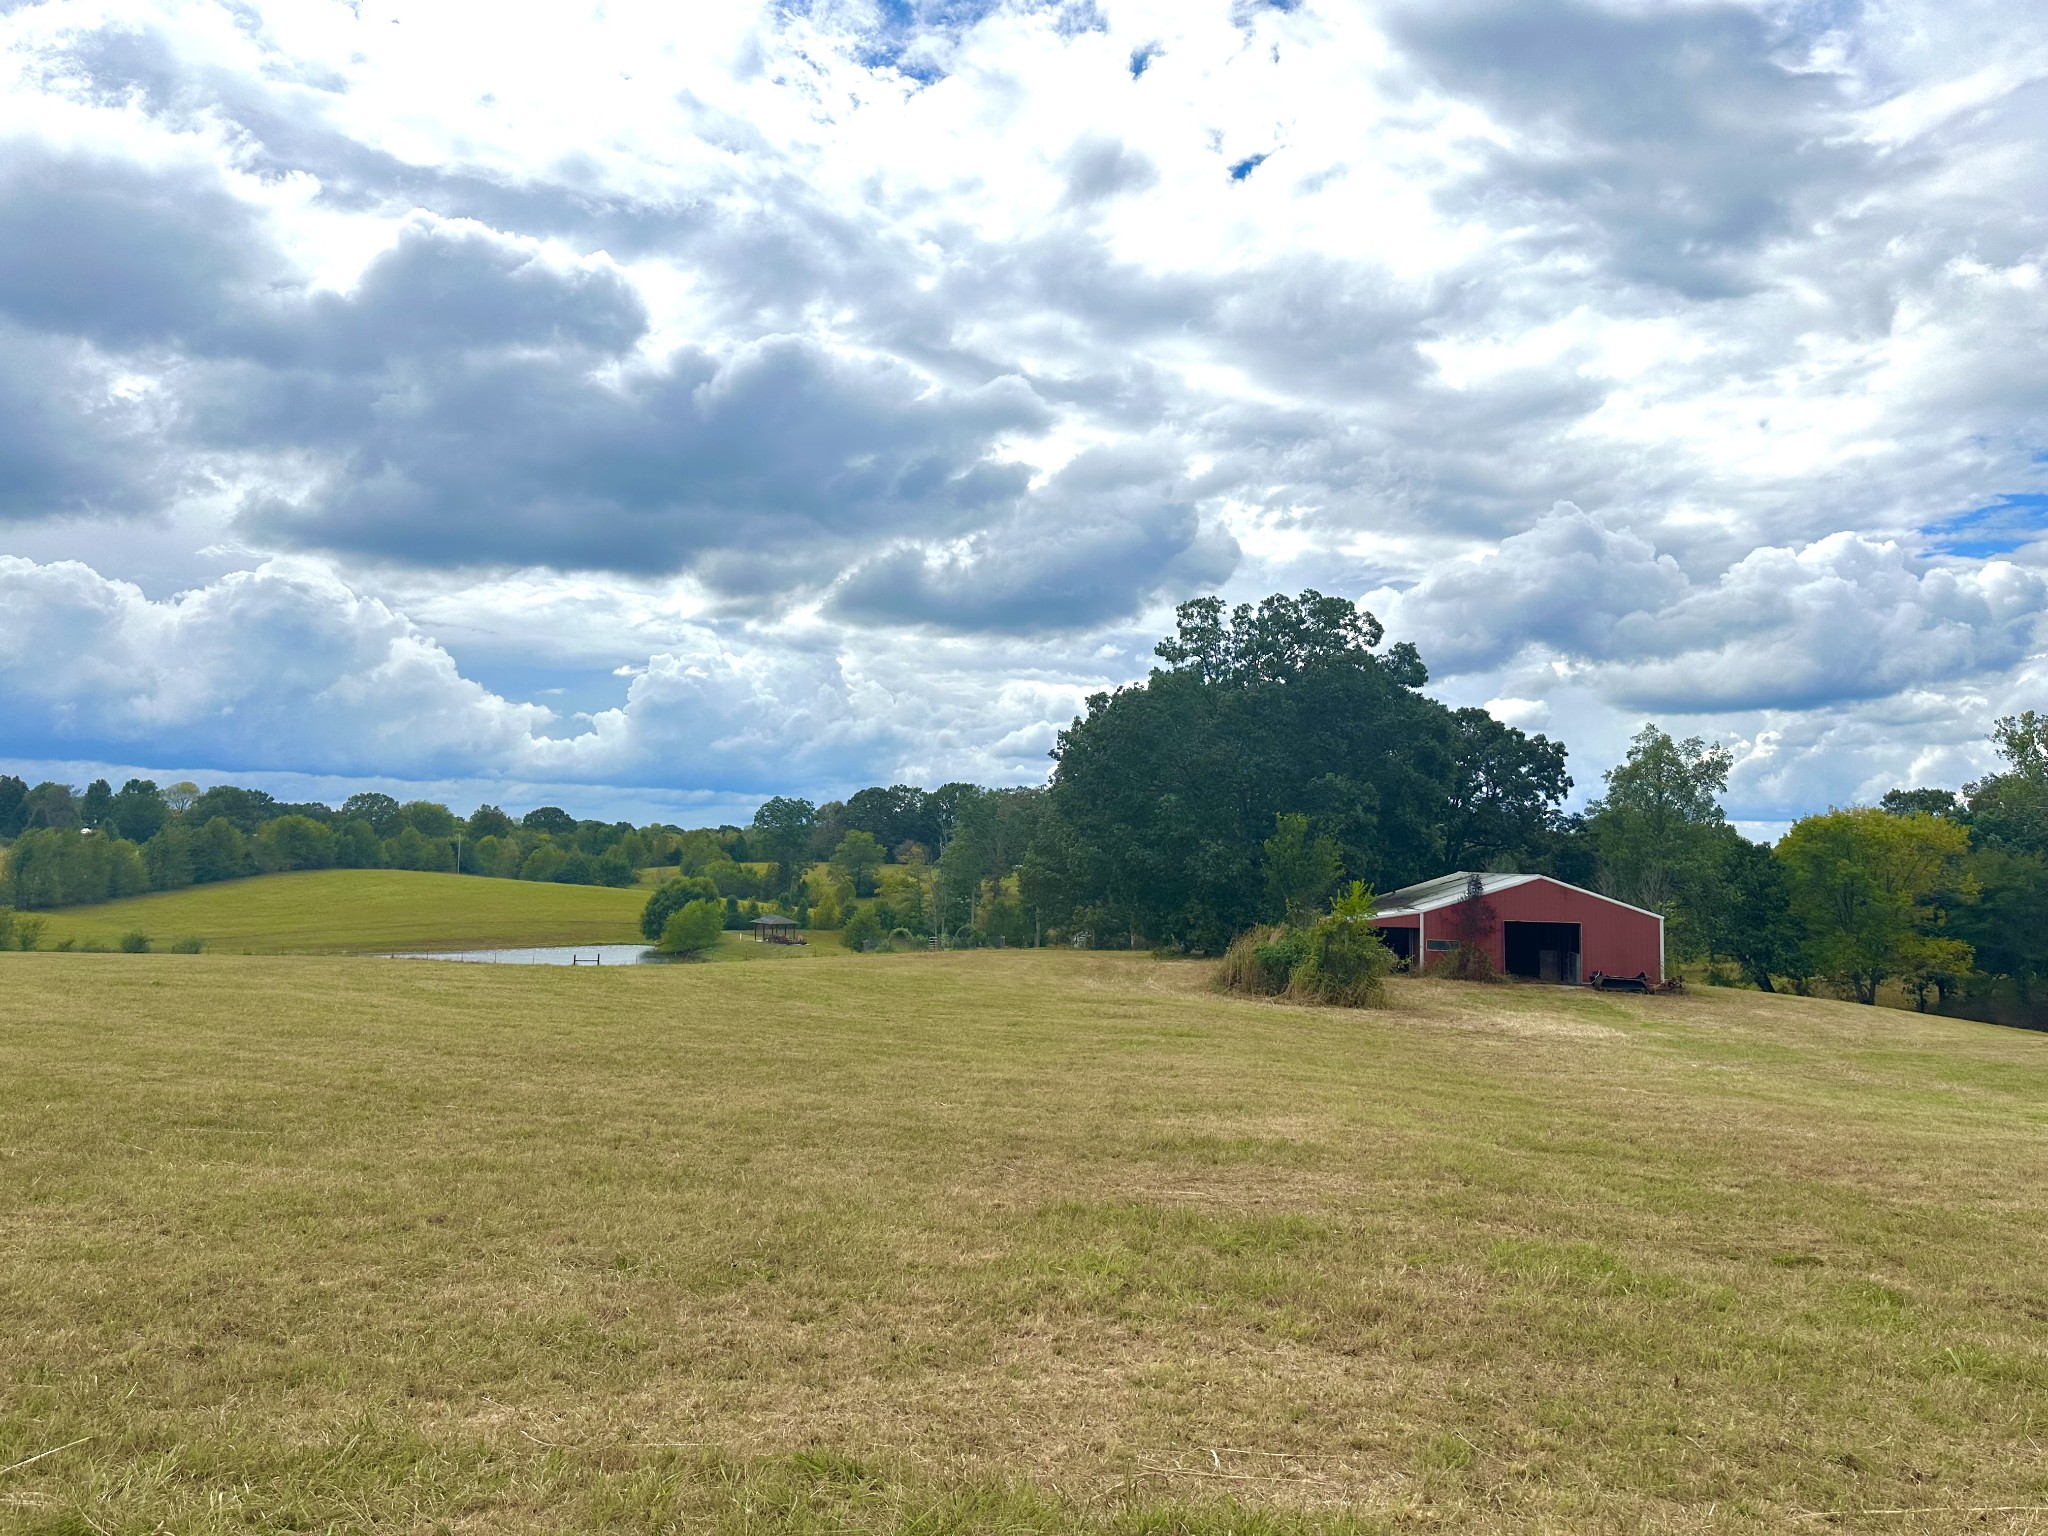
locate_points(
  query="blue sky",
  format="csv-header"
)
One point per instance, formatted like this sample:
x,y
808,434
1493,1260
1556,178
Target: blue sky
x,y
660,407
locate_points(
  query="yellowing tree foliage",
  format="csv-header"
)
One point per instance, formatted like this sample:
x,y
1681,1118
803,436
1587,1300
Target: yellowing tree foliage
x,y
1864,883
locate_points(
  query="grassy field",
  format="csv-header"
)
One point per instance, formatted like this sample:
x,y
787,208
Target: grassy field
x,y
347,911
1002,1241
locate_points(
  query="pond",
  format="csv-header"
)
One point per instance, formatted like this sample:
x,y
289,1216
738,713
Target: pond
x,y
567,954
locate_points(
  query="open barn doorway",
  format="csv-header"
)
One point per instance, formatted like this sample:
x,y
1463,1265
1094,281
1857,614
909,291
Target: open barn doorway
x,y
1542,951
1400,940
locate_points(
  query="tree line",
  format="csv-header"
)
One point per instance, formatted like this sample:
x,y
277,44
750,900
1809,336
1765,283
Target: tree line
x,y
1275,754
69,848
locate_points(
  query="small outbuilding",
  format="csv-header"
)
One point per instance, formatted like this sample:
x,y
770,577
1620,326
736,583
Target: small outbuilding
x,y
1529,925
773,928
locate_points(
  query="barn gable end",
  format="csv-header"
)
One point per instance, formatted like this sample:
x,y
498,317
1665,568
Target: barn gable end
x,y
1545,928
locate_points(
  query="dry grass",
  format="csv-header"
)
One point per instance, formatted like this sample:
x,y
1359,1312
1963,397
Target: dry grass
x,y
1003,1241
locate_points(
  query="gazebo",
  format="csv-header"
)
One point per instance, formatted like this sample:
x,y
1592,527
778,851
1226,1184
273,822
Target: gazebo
x,y
773,928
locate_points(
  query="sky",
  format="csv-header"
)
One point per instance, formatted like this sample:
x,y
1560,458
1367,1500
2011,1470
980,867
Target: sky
x,y
649,408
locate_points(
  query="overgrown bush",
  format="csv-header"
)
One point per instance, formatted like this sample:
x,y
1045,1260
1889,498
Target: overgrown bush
x,y
1465,962
1346,967
861,930
670,898
1260,961
694,929
189,946
1337,961
135,942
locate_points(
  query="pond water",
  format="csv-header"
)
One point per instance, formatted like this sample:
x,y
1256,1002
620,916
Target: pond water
x,y
567,954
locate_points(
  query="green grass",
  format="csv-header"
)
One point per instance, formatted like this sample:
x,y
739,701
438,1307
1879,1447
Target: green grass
x,y
345,911
1002,1241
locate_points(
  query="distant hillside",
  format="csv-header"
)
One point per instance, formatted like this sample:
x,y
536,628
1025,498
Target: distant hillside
x,y
339,911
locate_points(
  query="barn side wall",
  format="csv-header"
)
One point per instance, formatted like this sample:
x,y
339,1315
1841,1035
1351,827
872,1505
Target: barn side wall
x,y
1612,938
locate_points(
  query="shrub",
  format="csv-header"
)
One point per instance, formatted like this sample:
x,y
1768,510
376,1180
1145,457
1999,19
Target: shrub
x,y
694,929
1260,961
7,922
1466,962
1337,961
669,898
189,946
1346,965
544,863
135,942
861,930
28,931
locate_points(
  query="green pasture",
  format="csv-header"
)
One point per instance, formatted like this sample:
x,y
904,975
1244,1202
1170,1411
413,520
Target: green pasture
x,y
346,911
1002,1242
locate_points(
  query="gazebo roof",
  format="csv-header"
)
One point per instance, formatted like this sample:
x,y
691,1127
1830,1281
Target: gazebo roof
x,y
774,920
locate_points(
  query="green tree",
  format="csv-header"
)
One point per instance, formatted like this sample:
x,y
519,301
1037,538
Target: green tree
x,y
218,851
380,811
243,809
1505,790
168,858
96,807
430,818
48,867
861,930
781,834
544,863
1164,793
899,814
1924,802
1752,922
550,820
13,806
2007,926
356,846
1865,884
52,805
488,821
858,861
1300,869
693,929
669,898
410,848
696,851
2009,810
139,812
294,842
1656,828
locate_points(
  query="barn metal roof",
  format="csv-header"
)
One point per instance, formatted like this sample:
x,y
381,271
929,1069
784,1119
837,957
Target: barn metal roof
x,y
1449,890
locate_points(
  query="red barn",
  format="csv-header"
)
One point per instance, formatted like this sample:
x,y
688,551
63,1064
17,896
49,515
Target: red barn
x,y
1529,925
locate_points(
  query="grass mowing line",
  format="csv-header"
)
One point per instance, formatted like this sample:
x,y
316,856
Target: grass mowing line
x,y
1002,1240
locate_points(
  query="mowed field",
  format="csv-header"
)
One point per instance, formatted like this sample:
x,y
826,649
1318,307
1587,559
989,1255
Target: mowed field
x,y
349,911
1003,1241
